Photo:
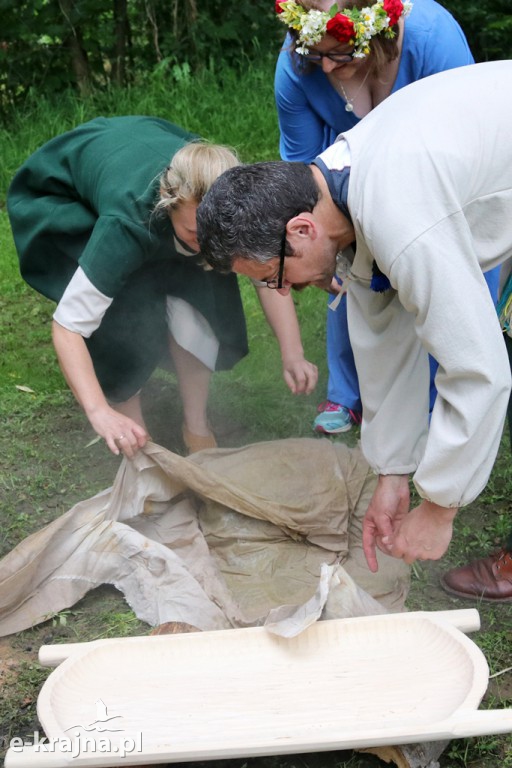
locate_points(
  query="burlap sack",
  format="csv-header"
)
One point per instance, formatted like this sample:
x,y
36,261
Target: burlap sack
x,y
268,533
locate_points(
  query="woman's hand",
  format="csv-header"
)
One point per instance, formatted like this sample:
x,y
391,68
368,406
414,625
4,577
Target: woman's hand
x,y
121,434
120,431
300,375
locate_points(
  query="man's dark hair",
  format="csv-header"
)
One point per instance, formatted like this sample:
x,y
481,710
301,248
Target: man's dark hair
x,y
245,212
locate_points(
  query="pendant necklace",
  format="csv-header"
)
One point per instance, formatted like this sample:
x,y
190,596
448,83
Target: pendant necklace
x,y
349,105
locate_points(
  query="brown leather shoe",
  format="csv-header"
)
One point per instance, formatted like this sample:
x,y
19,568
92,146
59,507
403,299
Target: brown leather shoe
x,y
489,578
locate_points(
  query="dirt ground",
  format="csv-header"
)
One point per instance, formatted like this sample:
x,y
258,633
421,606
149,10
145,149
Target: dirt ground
x,y
103,612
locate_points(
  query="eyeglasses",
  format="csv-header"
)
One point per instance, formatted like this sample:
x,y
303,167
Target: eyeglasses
x,y
338,58
277,282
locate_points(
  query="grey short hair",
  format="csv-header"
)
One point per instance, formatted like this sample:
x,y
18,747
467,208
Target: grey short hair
x,y
245,212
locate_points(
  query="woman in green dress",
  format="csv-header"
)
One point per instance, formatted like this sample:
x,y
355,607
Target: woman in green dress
x,y
103,231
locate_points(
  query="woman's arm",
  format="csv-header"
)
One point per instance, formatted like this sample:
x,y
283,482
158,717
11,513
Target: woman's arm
x,y
300,375
304,112
121,433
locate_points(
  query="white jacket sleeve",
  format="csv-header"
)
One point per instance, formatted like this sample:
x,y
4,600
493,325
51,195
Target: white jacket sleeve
x,y
393,374
443,305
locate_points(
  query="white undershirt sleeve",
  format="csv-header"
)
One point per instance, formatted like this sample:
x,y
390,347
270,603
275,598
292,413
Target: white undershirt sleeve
x,y
82,306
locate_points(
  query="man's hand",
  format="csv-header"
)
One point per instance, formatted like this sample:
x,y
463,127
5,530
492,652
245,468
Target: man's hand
x,y
388,507
422,534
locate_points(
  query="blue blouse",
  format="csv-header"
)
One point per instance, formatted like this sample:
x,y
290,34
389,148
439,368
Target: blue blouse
x,y
312,114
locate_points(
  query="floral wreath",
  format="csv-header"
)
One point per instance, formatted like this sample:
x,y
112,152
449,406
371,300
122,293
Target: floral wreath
x,y
354,26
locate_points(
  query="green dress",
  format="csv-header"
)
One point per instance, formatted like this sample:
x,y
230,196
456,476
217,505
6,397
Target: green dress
x,y
85,199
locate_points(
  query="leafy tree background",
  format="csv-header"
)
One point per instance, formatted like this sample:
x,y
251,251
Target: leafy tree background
x,y
48,46
487,24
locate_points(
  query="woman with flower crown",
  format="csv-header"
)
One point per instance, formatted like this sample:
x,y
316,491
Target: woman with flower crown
x,y
338,63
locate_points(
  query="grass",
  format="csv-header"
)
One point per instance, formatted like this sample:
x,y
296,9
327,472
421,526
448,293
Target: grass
x,y
50,459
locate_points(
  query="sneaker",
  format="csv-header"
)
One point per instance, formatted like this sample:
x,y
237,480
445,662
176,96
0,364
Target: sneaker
x,y
333,418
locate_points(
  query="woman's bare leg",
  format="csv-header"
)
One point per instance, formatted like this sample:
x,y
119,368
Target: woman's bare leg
x,y
193,384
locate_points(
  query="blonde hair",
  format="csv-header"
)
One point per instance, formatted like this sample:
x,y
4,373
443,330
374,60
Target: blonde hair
x,y
382,51
191,172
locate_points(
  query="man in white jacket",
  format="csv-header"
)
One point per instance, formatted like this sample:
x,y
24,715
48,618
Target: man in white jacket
x,y
410,207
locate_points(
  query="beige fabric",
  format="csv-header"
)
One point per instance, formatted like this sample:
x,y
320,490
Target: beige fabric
x,y
269,533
